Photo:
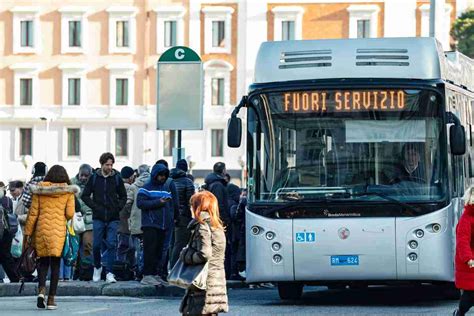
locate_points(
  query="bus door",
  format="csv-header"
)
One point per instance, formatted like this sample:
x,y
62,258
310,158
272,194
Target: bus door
x,y
344,249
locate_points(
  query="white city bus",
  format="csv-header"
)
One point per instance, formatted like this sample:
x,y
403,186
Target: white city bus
x,y
359,151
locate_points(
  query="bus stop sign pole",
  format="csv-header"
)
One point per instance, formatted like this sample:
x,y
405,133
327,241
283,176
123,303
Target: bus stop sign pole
x,y
179,93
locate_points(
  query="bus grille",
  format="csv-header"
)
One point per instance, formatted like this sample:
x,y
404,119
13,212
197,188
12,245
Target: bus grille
x,y
382,57
306,59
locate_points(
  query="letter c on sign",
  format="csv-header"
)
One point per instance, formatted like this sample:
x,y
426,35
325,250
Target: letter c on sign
x,y
179,53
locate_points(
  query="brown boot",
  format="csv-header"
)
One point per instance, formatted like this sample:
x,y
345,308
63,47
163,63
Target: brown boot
x,y
51,304
40,303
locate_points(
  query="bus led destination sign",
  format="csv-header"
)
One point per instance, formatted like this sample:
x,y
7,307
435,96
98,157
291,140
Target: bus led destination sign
x,y
344,101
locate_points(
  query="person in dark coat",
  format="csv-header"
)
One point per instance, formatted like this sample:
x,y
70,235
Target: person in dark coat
x,y
464,260
217,185
207,245
185,189
158,200
6,259
105,194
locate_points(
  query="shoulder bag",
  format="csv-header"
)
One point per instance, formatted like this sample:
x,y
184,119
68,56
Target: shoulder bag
x,y
186,276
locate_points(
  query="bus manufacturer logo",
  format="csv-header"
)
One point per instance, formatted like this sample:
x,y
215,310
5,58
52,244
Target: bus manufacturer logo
x,y
343,233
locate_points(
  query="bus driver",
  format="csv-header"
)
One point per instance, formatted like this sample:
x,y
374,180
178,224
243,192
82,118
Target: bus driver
x,y
410,168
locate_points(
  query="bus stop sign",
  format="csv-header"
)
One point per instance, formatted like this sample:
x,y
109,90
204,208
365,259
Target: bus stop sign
x,y
179,90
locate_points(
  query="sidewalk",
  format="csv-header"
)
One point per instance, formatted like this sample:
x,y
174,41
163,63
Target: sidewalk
x,y
81,288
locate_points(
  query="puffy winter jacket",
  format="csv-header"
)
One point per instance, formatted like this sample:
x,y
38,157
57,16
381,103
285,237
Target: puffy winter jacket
x,y
52,204
155,213
464,275
185,189
216,184
135,220
85,210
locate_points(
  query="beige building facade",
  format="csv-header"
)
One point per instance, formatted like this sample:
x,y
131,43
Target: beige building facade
x,y
78,78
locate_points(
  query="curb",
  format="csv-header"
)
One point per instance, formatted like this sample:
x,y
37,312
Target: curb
x,y
125,288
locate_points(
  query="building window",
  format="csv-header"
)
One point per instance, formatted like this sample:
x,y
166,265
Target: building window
x,y
217,143
169,26
363,20
121,142
170,33
287,23
74,91
26,91
217,91
287,30
363,28
121,92
218,33
74,33
73,142
169,138
26,141
122,34
27,34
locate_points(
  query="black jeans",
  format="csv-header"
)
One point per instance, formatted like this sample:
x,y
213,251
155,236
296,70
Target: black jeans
x,y
466,302
6,259
153,241
181,239
44,264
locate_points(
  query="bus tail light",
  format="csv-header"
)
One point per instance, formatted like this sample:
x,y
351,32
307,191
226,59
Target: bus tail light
x,y
270,235
436,228
276,246
413,244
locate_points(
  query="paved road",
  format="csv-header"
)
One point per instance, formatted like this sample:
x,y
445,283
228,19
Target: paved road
x,y
372,301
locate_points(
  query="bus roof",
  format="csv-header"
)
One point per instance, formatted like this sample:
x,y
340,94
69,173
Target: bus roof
x,y
397,58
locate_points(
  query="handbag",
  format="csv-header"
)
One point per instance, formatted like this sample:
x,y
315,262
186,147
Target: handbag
x,y
17,244
78,223
71,246
186,276
12,221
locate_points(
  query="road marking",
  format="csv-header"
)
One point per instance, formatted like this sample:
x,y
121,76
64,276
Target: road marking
x,y
92,310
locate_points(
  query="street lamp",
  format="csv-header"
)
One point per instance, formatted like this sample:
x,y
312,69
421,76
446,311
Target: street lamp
x,y
47,120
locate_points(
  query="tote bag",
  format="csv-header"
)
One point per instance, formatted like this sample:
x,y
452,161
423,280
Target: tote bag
x,y
71,246
186,276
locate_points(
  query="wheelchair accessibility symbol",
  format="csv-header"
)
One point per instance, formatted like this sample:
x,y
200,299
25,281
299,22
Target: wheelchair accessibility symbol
x,y
305,237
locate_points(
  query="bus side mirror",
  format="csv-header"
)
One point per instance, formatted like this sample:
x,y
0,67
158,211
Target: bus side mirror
x,y
234,132
457,139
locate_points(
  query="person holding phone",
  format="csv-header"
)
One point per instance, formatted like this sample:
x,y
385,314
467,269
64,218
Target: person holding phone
x,y
464,261
158,201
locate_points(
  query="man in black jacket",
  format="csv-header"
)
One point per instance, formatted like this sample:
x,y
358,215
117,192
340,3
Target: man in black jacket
x,y
108,198
185,189
217,185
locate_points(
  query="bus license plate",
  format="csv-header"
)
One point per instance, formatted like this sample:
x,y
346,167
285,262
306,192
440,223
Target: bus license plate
x,y
344,260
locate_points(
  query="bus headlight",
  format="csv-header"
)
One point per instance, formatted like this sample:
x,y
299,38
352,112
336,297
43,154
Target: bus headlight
x,y
255,230
270,235
277,258
276,246
412,256
419,233
413,244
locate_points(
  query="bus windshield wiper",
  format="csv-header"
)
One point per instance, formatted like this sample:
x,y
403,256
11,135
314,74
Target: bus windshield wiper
x,y
388,198
295,203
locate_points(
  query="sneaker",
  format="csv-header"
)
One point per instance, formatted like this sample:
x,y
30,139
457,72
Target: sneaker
x,y
149,280
110,278
97,274
6,280
51,305
40,302
160,279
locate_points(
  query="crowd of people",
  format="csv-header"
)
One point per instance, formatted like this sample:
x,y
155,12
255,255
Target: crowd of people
x,y
136,221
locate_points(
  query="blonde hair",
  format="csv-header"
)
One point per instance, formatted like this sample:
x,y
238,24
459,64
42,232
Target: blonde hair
x,y
469,196
205,201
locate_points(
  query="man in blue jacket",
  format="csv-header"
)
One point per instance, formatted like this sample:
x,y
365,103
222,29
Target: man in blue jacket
x,y
159,203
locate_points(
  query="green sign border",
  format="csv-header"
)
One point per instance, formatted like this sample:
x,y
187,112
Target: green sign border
x,y
189,55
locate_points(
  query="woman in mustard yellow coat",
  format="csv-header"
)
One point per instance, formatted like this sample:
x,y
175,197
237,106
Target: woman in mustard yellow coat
x,y
52,205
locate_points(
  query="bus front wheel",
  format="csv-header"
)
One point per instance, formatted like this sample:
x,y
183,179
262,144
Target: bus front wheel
x,y
290,291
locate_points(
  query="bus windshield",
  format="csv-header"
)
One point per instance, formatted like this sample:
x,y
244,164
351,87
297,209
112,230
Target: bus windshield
x,y
346,144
